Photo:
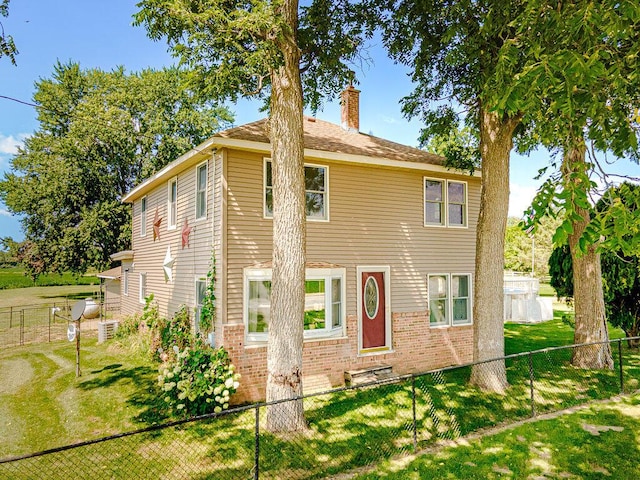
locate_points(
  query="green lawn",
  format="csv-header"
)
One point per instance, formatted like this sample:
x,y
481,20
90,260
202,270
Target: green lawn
x,y
43,405
594,443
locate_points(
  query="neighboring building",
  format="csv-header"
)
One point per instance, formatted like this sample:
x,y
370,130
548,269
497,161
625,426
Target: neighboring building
x,y
390,249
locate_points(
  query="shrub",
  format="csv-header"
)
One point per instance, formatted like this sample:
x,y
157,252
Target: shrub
x,y
198,380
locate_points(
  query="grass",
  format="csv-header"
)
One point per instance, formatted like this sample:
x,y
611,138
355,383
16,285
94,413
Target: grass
x,y
16,277
43,405
593,443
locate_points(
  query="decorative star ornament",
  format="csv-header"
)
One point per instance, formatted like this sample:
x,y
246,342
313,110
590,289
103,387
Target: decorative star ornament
x,y
186,231
167,266
157,220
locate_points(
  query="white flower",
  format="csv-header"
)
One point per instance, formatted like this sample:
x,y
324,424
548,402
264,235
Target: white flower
x,y
225,406
217,390
217,410
236,385
228,383
176,349
225,393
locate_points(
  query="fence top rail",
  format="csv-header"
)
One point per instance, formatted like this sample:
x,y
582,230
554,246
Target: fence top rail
x,y
257,406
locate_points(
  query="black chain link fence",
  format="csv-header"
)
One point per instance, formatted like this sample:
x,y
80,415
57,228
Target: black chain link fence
x,y
347,428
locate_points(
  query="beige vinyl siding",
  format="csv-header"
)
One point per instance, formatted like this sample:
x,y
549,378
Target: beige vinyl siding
x,y
376,218
190,262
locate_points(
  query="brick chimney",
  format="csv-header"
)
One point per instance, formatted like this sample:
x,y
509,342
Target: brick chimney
x,y
350,103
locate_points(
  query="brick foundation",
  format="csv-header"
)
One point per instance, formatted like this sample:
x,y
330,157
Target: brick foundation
x,y
416,348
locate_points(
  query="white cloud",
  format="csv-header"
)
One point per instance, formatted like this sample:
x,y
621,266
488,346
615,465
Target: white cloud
x,y
387,119
5,213
9,145
520,198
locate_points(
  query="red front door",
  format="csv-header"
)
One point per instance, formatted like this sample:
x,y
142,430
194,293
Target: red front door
x,y
373,310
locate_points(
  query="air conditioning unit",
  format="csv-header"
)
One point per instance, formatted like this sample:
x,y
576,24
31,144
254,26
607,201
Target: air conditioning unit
x,y
107,330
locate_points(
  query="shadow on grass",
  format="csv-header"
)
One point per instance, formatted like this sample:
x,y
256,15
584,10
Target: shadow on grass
x,y
147,396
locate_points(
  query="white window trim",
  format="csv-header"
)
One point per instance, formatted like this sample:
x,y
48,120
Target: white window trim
x,y
445,194
143,216
206,192
326,274
172,222
125,282
198,278
450,322
142,293
326,218
388,348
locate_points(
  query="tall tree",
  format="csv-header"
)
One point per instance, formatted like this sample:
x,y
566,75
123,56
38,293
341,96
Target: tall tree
x,y
579,84
452,47
100,133
7,45
272,50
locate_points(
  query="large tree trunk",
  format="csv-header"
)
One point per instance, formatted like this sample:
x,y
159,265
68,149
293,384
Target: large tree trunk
x,y
284,348
591,322
496,141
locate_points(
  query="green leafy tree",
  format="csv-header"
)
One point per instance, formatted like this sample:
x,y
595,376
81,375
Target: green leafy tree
x,y
9,251
620,271
7,45
578,86
100,133
452,47
274,50
519,244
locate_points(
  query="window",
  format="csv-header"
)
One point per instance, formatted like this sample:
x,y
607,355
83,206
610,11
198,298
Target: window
x,y
324,308
143,216
445,203
316,189
201,292
201,191
143,287
125,282
449,299
172,204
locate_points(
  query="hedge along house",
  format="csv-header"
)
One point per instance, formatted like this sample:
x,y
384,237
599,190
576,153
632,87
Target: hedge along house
x,y
390,250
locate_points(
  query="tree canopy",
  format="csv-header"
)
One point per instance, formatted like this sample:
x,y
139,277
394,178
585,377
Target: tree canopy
x,y
100,133
7,45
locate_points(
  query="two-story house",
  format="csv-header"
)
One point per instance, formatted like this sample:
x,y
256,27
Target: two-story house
x,y
390,249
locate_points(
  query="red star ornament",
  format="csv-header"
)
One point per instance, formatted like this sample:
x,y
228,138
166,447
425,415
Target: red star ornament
x,y
186,231
156,226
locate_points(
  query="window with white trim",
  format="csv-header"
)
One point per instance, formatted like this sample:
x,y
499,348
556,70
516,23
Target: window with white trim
x,y
445,203
324,304
125,282
315,186
201,292
143,216
143,288
449,299
201,191
172,203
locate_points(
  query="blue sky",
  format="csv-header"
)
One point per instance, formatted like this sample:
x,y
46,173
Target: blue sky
x,y
100,35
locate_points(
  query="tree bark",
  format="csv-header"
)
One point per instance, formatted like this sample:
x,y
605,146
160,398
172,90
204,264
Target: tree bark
x,y
285,341
496,141
590,320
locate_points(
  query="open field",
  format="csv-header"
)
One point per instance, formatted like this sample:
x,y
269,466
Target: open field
x,y
18,297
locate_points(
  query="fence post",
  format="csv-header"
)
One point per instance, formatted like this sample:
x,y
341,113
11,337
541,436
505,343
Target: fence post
x,y
413,406
256,461
49,314
22,327
620,363
533,401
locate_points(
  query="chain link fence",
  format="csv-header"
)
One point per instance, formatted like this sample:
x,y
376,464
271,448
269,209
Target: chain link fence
x,y
43,323
346,429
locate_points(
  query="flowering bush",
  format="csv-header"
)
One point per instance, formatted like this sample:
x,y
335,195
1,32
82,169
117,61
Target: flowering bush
x,y
199,380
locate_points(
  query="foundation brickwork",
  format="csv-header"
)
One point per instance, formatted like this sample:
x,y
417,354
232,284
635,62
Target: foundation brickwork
x,y
416,348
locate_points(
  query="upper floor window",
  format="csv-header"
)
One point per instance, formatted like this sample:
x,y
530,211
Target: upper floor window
x,y
143,216
201,191
324,303
172,203
449,299
316,191
445,203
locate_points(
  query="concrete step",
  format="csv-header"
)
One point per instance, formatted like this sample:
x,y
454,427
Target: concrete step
x,y
367,375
